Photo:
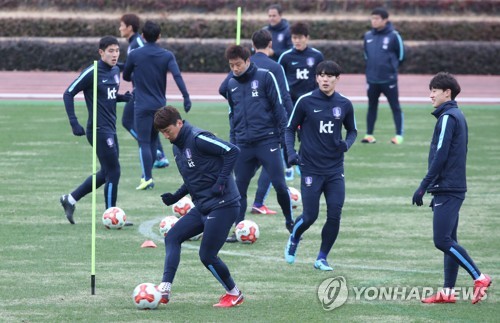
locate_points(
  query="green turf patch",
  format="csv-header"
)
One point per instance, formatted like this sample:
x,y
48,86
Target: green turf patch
x,y
384,240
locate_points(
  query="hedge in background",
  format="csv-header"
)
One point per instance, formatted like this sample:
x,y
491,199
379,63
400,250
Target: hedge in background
x,y
344,6
208,56
202,28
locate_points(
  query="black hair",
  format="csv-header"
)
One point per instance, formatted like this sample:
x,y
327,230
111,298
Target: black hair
x,y
107,41
261,39
300,28
329,68
276,7
166,116
444,81
237,51
381,11
151,31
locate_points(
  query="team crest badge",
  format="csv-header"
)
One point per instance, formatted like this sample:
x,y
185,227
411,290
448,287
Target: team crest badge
x,y
337,112
117,79
281,37
385,43
189,157
308,180
310,61
255,85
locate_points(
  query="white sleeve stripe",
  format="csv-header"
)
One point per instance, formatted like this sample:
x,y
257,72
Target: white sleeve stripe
x,y
443,130
295,107
276,86
215,142
401,47
284,77
90,69
283,54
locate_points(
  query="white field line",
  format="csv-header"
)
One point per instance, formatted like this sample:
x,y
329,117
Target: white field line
x,y
146,229
404,99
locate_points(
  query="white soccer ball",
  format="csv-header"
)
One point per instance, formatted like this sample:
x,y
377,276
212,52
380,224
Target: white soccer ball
x,y
166,224
247,231
295,196
182,206
146,296
114,218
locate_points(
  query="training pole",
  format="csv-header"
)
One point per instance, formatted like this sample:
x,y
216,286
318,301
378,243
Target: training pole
x,y
238,26
94,167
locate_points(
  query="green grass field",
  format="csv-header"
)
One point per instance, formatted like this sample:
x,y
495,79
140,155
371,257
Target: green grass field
x,y
45,262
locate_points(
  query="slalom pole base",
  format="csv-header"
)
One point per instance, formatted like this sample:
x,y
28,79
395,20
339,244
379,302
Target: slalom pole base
x,y
92,284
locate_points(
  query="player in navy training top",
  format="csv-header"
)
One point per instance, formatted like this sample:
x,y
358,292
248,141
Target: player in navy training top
x,y
280,31
384,51
446,180
129,29
148,67
257,123
321,114
108,82
300,62
205,163
261,41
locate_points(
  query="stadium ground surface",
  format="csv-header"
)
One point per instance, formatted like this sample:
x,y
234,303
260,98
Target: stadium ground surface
x,y
384,241
204,87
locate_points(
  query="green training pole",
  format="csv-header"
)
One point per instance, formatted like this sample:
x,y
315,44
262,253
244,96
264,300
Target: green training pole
x,y
238,26
94,167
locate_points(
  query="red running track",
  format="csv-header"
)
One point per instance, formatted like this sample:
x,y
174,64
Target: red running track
x,y
204,86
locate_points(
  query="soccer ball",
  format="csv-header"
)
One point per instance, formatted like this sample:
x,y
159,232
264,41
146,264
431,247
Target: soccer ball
x,y
146,296
182,206
166,224
247,231
114,218
295,196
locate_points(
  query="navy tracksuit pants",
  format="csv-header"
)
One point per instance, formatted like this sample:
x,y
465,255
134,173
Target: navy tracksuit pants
x,y
390,90
107,152
148,138
215,227
267,154
129,124
312,186
445,223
